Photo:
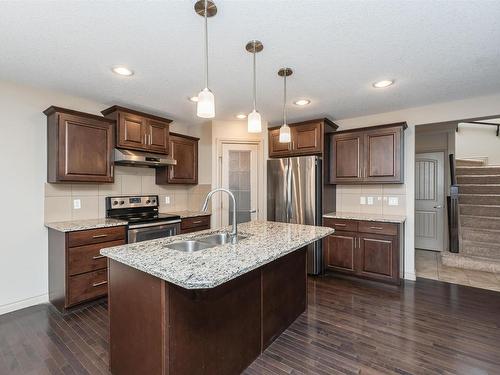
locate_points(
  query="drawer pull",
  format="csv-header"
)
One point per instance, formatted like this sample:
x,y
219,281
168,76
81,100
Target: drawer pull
x,y
100,236
339,225
99,284
98,257
376,228
197,222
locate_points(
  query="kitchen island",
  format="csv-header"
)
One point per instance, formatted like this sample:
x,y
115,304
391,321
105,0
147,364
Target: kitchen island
x,y
211,311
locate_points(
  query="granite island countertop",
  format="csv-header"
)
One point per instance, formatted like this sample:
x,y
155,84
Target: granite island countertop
x,y
75,225
398,219
266,241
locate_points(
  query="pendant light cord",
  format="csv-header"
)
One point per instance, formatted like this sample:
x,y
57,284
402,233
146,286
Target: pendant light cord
x,y
254,80
206,44
284,99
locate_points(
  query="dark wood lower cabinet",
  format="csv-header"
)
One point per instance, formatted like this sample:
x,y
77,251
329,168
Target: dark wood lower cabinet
x,y
369,250
159,328
195,224
77,271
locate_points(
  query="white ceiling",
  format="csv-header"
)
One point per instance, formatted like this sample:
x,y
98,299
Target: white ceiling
x,y
436,51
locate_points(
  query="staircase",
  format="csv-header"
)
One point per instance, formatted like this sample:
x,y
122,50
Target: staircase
x,y
479,211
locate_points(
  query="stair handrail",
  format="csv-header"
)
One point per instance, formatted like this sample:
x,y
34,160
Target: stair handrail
x,y
452,201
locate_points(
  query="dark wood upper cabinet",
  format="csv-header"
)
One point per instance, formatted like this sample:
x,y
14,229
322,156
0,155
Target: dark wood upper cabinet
x,y
368,155
307,138
184,149
139,131
79,146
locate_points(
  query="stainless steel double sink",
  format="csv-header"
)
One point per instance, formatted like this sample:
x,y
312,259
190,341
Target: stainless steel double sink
x,y
203,242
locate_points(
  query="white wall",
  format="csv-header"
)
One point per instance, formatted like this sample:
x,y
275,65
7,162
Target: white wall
x,y
478,141
23,249
441,112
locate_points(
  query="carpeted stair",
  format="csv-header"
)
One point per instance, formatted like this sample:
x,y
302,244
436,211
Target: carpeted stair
x,y
479,210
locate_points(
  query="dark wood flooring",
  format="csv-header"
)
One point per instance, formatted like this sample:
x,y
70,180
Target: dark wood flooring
x,y
351,327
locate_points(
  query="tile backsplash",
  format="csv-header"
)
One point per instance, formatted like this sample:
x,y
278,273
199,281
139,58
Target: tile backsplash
x,y
59,198
388,199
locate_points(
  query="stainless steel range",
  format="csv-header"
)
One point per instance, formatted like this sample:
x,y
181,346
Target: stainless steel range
x,y
144,220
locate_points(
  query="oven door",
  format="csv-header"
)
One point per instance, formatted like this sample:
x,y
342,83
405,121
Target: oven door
x,y
146,232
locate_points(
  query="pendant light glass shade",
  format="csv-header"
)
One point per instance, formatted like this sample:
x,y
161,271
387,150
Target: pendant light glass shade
x,y
254,122
206,104
285,136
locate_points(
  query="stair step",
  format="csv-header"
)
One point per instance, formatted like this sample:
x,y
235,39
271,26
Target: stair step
x,y
478,210
481,235
479,189
480,249
470,262
480,199
469,162
480,222
479,179
472,171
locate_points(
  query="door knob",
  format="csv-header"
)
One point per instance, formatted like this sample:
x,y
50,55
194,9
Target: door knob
x,y
438,206
252,211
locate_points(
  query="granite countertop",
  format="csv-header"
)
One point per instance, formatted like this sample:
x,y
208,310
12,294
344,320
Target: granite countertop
x,y
367,217
74,225
184,214
208,268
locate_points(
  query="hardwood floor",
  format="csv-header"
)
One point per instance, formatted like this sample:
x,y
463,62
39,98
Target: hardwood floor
x,y
351,327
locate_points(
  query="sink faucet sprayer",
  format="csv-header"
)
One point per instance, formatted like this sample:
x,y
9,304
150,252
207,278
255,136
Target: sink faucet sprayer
x,y
234,232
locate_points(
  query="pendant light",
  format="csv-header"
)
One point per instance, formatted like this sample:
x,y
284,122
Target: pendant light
x,y
285,136
254,120
205,107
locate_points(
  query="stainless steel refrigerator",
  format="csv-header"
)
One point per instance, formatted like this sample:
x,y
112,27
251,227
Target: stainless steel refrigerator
x,y
294,195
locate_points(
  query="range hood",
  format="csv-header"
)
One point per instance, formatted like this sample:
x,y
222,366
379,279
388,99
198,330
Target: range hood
x,y
142,159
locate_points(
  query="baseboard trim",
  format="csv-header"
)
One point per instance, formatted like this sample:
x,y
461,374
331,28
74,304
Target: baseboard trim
x,y
410,276
18,305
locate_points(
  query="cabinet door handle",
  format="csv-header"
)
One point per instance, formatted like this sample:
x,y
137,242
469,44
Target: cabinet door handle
x,y
376,228
145,139
98,257
339,225
94,285
197,221
100,236
150,139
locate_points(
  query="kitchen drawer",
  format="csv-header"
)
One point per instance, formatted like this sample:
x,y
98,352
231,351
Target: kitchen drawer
x,y
341,224
195,229
88,237
87,258
377,227
87,286
193,222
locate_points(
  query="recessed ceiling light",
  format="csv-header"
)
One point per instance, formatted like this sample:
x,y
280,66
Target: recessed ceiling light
x,y
302,102
241,116
123,71
383,84
193,99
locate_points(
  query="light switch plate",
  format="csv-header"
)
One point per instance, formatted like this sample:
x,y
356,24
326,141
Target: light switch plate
x,y
362,200
393,201
167,200
370,201
77,204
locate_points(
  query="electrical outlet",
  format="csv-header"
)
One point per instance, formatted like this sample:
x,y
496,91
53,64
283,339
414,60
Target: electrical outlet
x,y
362,200
393,201
370,201
167,200
77,204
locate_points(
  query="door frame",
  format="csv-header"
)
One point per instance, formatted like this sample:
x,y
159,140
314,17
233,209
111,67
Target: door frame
x,y
217,201
444,192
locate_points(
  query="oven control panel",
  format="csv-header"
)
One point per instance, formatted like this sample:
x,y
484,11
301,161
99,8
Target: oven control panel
x,y
131,201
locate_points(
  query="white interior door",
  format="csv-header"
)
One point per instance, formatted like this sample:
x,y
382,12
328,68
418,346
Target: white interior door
x,y
429,201
240,175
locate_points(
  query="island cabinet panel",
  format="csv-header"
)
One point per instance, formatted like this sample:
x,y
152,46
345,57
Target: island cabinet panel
x,y
184,150
139,131
79,146
368,155
77,271
366,249
159,328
